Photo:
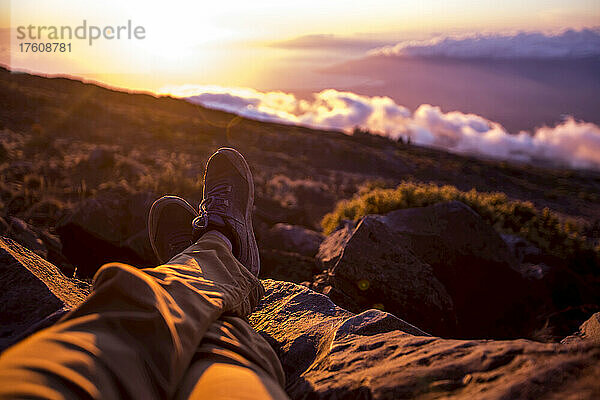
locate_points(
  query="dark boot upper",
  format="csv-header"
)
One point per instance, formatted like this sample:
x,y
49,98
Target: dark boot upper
x,y
227,204
169,226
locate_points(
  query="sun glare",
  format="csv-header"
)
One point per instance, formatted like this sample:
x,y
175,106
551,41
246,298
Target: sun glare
x,y
225,42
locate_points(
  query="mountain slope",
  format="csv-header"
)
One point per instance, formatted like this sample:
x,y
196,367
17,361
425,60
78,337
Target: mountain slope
x,y
162,144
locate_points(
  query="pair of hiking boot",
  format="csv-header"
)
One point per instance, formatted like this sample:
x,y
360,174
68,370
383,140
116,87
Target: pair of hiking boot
x,y
226,207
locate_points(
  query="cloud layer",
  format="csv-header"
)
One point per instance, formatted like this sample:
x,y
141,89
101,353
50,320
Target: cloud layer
x,y
328,41
532,45
571,143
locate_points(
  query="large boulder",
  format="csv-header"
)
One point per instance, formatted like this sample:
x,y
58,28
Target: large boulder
x,y
328,352
475,265
287,252
445,232
376,271
460,257
33,292
333,245
110,227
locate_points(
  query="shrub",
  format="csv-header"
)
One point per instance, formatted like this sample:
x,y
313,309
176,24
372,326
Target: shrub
x,y
40,142
557,236
46,212
33,182
173,180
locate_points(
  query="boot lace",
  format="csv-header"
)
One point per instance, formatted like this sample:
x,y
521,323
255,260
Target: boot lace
x,y
215,202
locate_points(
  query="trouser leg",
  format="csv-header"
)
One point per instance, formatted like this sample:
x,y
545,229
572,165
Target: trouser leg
x,y
136,334
233,362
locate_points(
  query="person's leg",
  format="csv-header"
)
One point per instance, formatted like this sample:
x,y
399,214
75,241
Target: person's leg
x,y
233,362
135,336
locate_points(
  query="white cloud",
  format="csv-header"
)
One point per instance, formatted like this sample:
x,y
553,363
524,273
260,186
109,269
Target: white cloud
x,y
567,44
571,143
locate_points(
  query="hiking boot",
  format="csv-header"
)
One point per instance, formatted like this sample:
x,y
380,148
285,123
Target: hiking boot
x,y
169,226
227,205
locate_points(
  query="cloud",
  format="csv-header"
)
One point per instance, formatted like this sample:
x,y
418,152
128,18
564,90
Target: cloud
x,y
328,41
533,45
329,109
570,143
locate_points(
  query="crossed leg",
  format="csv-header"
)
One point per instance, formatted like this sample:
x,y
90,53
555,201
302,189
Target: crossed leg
x,y
174,330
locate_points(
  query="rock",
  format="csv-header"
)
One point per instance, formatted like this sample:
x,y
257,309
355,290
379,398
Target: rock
x,y
567,301
328,352
293,239
269,211
534,271
33,292
453,226
588,331
520,248
4,227
491,298
45,213
282,265
40,241
107,228
17,204
532,263
333,245
459,257
101,157
26,236
376,271
296,320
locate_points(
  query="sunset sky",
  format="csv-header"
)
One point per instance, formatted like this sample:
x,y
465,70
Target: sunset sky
x,y
511,80
229,42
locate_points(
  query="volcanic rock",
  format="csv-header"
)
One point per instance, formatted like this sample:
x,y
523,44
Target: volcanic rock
x,y
442,257
293,239
328,352
376,271
33,292
111,227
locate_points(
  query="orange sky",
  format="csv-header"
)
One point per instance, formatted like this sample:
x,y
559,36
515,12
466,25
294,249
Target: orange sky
x,y
228,42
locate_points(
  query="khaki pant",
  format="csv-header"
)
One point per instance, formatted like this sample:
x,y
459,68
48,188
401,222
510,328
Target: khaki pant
x,y
174,331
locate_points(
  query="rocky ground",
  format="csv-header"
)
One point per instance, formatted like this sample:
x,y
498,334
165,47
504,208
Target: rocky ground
x,y
329,352
81,165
